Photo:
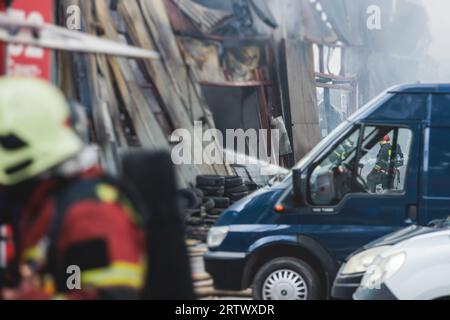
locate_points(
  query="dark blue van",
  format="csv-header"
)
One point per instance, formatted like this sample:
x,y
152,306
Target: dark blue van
x,y
288,241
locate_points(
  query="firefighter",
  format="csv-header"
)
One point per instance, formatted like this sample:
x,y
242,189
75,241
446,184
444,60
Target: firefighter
x,y
77,231
378,179
342,152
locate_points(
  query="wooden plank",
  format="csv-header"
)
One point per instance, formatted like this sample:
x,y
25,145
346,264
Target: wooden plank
x,y
149,132
239,84
112,79
190,92
169,89
182,100
109,96
301,81
147,127
302,97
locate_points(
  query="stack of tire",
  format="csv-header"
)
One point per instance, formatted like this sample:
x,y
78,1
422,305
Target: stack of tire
x,y
235,188
213,188
205,203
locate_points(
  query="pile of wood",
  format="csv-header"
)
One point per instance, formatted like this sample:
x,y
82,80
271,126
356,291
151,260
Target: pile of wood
x,y
135,103
203,283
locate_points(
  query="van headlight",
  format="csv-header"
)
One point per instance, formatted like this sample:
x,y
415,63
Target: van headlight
x,y
216,236
382,270
360,262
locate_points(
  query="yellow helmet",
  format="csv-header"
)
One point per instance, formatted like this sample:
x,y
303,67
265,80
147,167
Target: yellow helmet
x,y
35,133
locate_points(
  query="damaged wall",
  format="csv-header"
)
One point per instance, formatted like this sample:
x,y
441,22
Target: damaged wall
x,y
155,96
247,67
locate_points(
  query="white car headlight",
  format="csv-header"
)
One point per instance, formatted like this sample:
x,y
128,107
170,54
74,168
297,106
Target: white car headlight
x,y
360,262
382,270
216,236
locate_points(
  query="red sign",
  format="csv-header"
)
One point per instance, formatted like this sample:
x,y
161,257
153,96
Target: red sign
x,y
27,60
7,249
2,45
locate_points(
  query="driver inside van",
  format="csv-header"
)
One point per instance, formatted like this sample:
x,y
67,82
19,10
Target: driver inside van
x,y
342,152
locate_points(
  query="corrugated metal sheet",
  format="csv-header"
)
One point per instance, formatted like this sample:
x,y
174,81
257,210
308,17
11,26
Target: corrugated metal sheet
x,y
313,27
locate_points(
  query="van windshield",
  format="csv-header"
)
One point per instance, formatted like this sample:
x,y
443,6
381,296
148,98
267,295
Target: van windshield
x,y
361,113
328,140
322,144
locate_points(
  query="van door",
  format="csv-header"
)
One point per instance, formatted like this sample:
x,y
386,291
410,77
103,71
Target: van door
x,y
364,187
435,181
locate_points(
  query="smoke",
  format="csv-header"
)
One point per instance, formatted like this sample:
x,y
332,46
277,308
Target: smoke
x,y
439,49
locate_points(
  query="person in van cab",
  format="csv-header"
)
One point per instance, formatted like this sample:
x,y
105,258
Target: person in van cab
x,y
379,176
342,152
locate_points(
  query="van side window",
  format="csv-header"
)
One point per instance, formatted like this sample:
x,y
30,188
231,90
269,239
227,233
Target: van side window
x,y
331,180
375,165
384,159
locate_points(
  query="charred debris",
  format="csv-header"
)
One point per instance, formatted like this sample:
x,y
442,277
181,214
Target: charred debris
x,y
303,65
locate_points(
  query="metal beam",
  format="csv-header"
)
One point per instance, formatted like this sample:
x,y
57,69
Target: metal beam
x,y
18,31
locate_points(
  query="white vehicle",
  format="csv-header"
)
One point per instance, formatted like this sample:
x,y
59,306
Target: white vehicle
x,y
415,269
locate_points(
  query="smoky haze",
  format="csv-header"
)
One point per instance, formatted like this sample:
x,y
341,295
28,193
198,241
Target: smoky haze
x,y
439,49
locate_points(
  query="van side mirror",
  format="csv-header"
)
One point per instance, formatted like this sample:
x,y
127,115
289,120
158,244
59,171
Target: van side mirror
x,y
297,184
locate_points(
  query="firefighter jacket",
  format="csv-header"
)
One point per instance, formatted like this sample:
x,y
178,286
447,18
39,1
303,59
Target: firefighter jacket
x,y
87,227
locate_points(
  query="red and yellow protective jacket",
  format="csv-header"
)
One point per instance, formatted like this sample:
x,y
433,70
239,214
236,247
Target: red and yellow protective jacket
x,y
80,239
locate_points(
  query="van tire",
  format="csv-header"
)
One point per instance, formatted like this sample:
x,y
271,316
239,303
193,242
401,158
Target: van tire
x,y
300,268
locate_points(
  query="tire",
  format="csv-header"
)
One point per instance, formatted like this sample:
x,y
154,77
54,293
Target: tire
x,y
193,213
304,277
252,186
221,202
209,204
211,181
213,191
238,196
233,181
238,189
188,199
210,221
195,222
199,193
215,212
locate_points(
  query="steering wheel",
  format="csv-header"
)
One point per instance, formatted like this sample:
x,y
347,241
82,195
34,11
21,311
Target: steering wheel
x,y
348,168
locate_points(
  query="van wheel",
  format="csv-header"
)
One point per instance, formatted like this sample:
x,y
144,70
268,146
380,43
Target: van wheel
x,y
286,279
